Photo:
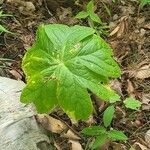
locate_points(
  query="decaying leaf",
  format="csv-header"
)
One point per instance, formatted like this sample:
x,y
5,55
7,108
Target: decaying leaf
x,y
130,89
16,74
116,86
147,138
57,146
146,101
71,135
142,73
75,145
114,31
118,146
120,28
147,26
51,124
139,146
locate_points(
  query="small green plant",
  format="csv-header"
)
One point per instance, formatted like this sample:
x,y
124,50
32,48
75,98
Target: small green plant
x,y
89,13
92,18
2,28
101,134
144,2
62,64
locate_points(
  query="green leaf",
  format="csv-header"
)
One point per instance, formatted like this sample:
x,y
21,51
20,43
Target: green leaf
x,y
90,7
117,135
95,18
99,141
94,131
65,61
132,103
108,115
37,90
82,15
90,10
144,2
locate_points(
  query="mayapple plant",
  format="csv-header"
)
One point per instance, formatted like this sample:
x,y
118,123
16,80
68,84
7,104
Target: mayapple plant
x,y
63,65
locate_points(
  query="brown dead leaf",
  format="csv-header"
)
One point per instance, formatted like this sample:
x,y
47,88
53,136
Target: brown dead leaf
x,y
120,28
143,72
116,85
57,146
118,146
147,138
115,31
75,145
51,124
138,146
16,74
146,101
130,89
147,26
71,135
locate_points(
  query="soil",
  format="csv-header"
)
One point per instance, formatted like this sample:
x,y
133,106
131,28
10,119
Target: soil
x,y
129,37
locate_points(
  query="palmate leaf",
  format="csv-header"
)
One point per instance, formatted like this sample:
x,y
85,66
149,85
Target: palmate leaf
x,y
62,64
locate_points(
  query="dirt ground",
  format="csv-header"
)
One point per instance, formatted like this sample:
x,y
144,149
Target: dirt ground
x,y
128,35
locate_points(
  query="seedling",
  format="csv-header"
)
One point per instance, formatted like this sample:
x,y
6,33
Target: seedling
x,y
62,64
101,134
92,18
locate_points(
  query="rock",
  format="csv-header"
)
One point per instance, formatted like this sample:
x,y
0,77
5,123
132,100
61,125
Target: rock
x,y
18,127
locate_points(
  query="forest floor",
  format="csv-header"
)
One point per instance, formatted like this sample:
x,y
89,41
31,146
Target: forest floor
x,y
129,37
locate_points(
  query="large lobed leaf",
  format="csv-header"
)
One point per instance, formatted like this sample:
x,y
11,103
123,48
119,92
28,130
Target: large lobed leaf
x,y
62,64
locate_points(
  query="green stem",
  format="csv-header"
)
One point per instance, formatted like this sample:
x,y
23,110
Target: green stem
x,y
91,24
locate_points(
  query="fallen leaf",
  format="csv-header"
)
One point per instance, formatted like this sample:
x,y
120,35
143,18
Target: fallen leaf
x,y
147,138
115,31
147,26
16,74
138,146
71,135
146,101
118,146
51,124
120,28
130,89
143,72
75,145
116,85
57,146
